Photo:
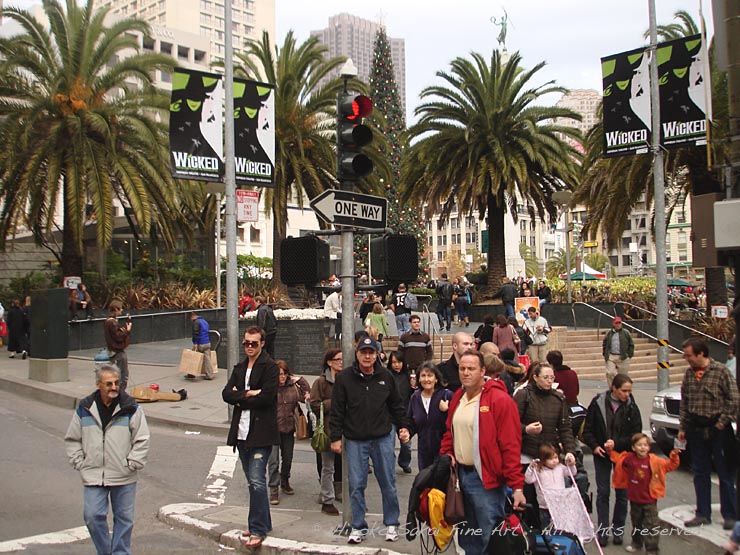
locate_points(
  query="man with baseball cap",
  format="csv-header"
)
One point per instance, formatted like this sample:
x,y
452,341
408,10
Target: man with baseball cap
x,y
365,406
618,348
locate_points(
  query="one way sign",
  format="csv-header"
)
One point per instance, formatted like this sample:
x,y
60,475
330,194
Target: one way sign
x,y
353,209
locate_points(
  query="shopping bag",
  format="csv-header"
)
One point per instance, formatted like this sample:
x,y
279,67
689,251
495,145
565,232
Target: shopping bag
x,y
191,362
301,424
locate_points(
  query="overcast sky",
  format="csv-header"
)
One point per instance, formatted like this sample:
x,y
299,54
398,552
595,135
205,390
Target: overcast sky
x,y
569,35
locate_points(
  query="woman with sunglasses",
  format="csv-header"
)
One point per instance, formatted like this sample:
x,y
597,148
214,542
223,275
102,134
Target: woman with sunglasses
x,y
321,393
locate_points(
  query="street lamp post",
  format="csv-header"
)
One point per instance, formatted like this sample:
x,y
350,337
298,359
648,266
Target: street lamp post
x,y
563,199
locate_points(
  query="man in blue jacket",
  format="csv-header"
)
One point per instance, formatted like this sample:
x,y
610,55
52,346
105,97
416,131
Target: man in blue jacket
x,y
365,405
202,344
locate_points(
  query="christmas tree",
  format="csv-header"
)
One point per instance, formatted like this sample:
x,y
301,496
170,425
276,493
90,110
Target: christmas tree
x,y
384,93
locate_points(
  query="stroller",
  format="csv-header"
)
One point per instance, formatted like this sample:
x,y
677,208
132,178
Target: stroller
x,y
571,519
426,504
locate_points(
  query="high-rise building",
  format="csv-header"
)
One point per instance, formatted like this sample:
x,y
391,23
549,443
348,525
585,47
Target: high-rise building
x,y
353,37
204,18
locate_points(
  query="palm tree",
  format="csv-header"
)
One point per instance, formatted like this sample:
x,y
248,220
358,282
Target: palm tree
x,y
305,111
79,126
557,264
531,262
482,142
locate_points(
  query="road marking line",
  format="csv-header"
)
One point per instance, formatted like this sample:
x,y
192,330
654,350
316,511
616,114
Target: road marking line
x,y
222,470
70,535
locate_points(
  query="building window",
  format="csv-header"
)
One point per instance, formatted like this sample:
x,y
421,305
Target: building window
x,y
614,261
254,234
430,240
439,256
626,242
205,19
681,217
454,223
628,225
681,243
205,6
640,223
683,256
626,260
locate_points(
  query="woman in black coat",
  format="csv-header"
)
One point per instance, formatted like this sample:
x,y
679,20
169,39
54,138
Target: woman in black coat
x,y
428,413
613,417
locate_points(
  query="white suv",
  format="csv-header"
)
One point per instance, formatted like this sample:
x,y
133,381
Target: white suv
x,y
664,417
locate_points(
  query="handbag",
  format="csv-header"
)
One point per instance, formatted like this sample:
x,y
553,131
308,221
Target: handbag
x,y
515,336
320,441
454,506
301,424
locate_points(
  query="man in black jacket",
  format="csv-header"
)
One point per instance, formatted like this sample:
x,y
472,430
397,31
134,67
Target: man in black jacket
x,y
461,342
365,406
252,389
507,293
267,321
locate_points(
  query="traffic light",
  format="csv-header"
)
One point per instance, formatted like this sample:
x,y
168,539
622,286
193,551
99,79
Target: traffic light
x,y
303,260
352,135
395,258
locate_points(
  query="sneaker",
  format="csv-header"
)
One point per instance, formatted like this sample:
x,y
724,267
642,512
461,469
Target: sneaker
x,y
274,496
356,536
391,534
285,486
728,524
329,509
632,549
11,355
189,376
697,521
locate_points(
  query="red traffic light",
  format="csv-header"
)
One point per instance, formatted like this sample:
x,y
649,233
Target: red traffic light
x,y
353,108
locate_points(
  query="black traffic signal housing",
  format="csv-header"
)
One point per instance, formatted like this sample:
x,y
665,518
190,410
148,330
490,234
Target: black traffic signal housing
x,y
352,135
395,258
304,260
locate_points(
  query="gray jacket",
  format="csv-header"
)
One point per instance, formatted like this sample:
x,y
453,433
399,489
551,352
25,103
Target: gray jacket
x,y
110,457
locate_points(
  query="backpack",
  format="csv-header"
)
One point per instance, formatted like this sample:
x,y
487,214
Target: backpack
x,y
411,302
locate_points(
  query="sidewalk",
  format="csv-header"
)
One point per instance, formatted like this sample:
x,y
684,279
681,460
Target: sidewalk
x,y
298,524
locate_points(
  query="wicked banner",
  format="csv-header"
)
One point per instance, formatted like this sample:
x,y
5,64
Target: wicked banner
x,y
684,81
626,106
254,133
196,125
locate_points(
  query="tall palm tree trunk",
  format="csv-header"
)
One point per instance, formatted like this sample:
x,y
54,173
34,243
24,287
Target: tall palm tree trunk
x,y
496,243
71,248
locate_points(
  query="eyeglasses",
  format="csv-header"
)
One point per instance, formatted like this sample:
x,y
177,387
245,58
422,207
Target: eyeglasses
x,y
251,343
336,359
548,378
111,384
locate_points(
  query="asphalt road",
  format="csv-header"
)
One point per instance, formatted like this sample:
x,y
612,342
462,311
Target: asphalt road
x,y
41,494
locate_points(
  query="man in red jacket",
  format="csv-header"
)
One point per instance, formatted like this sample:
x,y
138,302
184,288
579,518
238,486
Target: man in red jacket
x,y
486,446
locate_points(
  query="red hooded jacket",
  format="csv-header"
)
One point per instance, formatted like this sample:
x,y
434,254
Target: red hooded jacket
x,y
499,440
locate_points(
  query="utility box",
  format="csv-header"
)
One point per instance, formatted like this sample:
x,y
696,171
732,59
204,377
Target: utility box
x,y
727,224
703,249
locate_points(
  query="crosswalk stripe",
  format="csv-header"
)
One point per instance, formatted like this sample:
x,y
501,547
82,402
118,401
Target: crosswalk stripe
x,y
222,470
51,538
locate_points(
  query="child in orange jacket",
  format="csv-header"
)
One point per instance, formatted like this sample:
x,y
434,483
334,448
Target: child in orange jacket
x,y
643,474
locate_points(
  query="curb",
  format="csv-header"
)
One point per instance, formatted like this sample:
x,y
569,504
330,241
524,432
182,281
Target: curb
x,y
179,515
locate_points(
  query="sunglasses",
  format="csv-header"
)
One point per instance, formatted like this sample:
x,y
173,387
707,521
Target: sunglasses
x,y
251,343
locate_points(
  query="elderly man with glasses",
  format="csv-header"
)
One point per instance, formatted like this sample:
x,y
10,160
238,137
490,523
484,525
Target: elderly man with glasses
x,y
252,390
107,442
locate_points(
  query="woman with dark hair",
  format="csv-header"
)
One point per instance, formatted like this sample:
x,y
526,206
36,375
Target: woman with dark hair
x,y
291,391
521,334
613,416
484,333
321,393
428,413
504,335
544,418
402,377
566,378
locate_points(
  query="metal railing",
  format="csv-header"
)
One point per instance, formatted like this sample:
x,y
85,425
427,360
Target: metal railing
x,y
598,326
671,322
429,323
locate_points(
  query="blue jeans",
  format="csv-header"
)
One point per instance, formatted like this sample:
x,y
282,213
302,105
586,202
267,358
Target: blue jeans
x,y
510,310
402,323
444,313
484,508
254,463
381,452
603,471
404,455
95,513
460,305
705,453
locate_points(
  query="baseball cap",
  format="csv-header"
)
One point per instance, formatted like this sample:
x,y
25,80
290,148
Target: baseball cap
x,y
367,343
617,320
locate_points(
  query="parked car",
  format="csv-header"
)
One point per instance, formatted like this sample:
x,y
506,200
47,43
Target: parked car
x,y
664,417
